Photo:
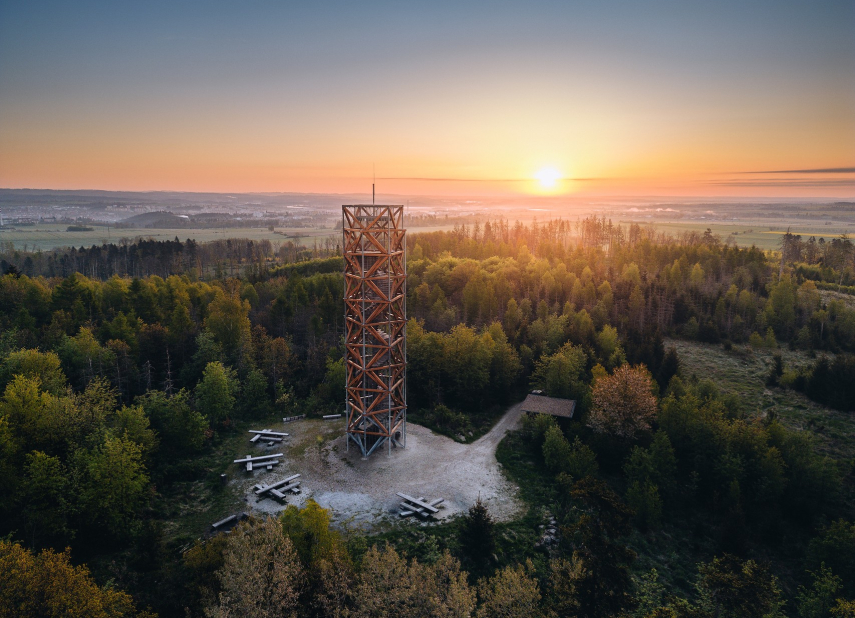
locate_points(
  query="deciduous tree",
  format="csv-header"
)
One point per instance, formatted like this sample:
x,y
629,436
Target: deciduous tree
x,y
261,576
216,392
47,585
623,403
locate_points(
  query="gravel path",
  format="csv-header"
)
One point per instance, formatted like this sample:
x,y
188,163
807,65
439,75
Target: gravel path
x,y
362,492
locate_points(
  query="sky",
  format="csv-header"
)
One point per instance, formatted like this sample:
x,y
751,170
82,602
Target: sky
x,y
725,98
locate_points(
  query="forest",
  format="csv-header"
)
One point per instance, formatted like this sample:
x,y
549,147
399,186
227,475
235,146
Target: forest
x,y
122,367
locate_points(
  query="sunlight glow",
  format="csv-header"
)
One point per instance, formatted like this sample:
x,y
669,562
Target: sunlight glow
x,y
548,177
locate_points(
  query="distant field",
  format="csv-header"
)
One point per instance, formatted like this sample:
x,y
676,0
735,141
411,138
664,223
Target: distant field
x,y
47,237
759,234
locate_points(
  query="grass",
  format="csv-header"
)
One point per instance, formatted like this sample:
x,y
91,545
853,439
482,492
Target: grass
x,y
46,236
50,236
763,234
742,371
187,508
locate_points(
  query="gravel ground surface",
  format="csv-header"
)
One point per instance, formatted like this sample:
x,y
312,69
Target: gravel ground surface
x,y
361,493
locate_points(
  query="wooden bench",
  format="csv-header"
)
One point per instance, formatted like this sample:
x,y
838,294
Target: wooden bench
x,y
267,435
260,489
280,488
267,461
418,505
228,521
292,487
224,521
408,509
268,432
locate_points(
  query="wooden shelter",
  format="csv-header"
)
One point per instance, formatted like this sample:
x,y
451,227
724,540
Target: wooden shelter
x,y
537,403
375,316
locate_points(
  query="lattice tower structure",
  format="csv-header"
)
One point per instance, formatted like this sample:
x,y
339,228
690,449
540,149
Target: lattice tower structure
x,y
375,314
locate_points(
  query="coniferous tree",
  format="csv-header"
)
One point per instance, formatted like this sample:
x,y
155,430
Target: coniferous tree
x,y
477,535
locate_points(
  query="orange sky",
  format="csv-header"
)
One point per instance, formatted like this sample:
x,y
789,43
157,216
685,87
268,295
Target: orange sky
x,y
671,101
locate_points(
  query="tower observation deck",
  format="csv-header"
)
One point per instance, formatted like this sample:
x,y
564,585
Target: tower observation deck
x,y
375,315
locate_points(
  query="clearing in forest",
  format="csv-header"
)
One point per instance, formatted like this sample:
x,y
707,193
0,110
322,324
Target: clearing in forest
x,y
362,493
743,371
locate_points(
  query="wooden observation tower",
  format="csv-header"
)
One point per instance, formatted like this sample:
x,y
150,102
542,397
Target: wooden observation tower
x,y
375,315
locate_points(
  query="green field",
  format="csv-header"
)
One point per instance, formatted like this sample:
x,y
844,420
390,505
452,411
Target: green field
x,y
50,236
47,237
743,371
760,234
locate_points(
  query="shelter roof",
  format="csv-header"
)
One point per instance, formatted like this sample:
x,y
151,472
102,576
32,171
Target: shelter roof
x,y
541,404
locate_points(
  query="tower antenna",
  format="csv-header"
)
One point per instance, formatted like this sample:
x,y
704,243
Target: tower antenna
x,y
373,181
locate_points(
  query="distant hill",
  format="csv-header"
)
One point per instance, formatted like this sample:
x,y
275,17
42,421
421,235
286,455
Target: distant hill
x,y
156,219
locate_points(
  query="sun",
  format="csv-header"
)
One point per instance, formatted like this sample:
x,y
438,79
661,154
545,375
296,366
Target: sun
x,y
548,177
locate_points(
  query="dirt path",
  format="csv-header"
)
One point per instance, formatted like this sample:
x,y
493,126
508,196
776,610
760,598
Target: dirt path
x,y
508,422
362,492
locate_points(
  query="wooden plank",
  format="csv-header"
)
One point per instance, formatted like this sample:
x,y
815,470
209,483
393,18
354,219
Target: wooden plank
x,y
224,521
260,489
412,509
328,417
259,458
268,432
405,508
280,493
258,465
408,509
266,438
418,502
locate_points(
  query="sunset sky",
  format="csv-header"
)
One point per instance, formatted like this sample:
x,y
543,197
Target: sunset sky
x,y
615,98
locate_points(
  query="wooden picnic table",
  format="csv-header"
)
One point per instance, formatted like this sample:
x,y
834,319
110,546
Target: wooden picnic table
x,y
268,432
420,503
260,489
292,487
258,458
408,509
267,461
270,439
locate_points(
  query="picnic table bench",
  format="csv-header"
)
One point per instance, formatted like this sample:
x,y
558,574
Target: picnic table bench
x,y
418,506
267,461
229,521
280,488
267,435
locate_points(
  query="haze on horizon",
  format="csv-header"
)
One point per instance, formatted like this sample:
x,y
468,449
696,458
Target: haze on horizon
x,y
593,98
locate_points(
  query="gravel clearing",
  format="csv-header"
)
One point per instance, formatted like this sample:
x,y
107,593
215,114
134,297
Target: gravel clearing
x,y
361,493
